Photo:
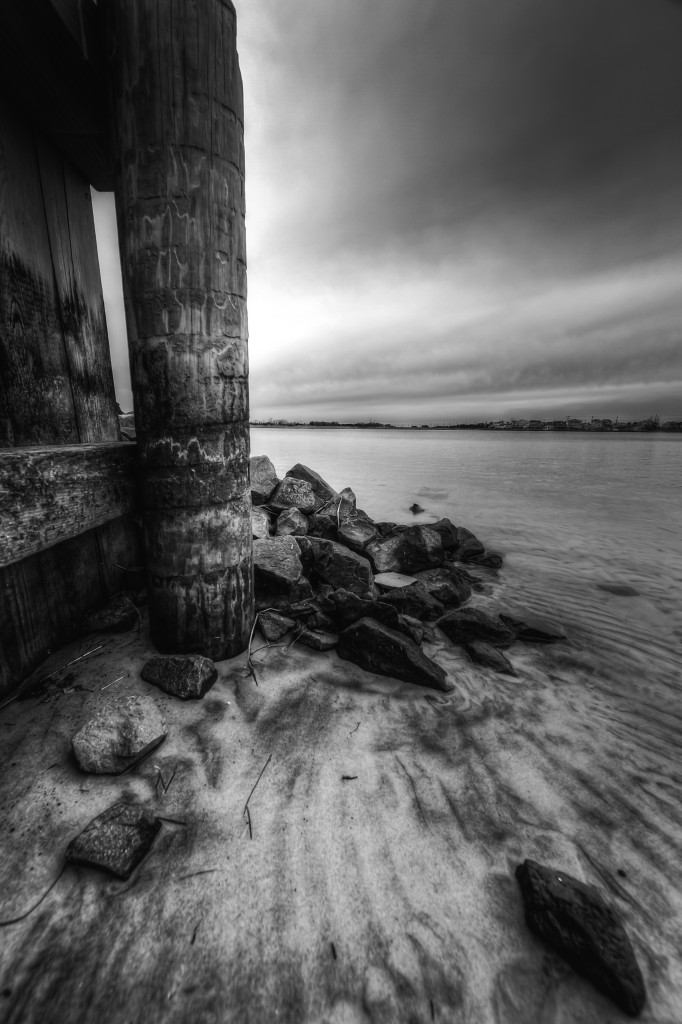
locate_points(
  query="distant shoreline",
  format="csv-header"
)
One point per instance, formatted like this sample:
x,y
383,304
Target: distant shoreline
x,y
629,428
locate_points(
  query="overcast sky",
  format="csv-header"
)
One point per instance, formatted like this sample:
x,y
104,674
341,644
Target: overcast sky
x,y
461,209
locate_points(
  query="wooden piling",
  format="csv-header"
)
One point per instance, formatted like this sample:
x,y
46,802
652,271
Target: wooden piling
x,y
177,121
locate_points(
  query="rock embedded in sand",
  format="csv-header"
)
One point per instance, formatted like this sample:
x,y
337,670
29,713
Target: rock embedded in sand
x,y
584,930
376,648
490,657
291,523
467,625
274,626
293,493
278,573
187,676
264,478
323,491
118,735
117,617
260,523
414,600
340,567
116,840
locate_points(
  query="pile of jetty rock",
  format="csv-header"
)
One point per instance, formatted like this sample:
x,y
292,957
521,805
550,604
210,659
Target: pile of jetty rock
x,y
325,570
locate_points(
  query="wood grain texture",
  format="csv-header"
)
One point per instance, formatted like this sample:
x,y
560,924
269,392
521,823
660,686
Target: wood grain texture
x,y
49,494
178,128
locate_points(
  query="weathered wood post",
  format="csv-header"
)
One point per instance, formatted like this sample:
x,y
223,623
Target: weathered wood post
x,y
177,116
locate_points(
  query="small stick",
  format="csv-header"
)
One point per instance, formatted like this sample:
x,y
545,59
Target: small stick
x,y
354,730
57,670
333,950
246,805
111,683
348,778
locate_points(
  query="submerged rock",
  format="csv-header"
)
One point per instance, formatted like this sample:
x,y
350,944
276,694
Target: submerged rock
x,y
260,523
291,523
274,626
323,491
531,633
485,654
278,573
466,625
187,676
118,616
293,493
263,477
116,840
376,648
584,930
118,735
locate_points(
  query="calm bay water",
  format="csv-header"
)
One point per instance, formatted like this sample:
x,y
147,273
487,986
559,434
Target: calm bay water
x,y
570,513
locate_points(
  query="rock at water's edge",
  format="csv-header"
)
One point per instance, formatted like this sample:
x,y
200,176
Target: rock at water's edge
x,y
293,493
376,648
263,477
490,657
118,735
187,676
414,600
323,491
466,625
584,930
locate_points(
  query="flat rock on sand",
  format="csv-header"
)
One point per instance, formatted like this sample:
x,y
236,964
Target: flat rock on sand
x,y
116,840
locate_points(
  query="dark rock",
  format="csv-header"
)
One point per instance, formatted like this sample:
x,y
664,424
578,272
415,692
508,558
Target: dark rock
x,y
465,625
260,523
467,545
264,479
323,525
318,639
115,840
485,654
118,735
415,509
414,600
383,529
338,566
447,532
407,549
356,534
349,608
278,573
412,627
450,590
376,648
347,506
117,617
584,930
325,590
490,560
323,492
319,620
531,633
291,523
274,626
187,676
619,589
460,573
293,493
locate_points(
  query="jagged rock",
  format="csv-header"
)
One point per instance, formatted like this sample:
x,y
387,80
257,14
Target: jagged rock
x,y
278,573
349,608
356,534
376,648
319,620
415,509
489,656
383,529
450,590
323,491
323,525
320,640
291,523
116,840
117,617
293,493
467,546
574,919
118,735
407,549
490,560
274,626
460,573
264,479
347,507
414,600
412,627
324,591
531,633
466,625
260,523
447,532
187,676
340,567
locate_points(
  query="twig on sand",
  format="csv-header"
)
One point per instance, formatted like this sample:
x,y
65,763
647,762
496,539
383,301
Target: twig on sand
x,y
44,679
22,917
159,778
333,950
246,810
348,778
111,683
354,730
144,753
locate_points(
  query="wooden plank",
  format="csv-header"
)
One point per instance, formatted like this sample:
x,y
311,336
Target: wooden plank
x,y
73,246
36,401
50,494
56,78
178,127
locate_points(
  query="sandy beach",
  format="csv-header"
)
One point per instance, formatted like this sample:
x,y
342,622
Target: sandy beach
x,y
378,882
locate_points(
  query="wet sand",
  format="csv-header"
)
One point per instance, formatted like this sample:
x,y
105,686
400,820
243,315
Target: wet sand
x,y
388,897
